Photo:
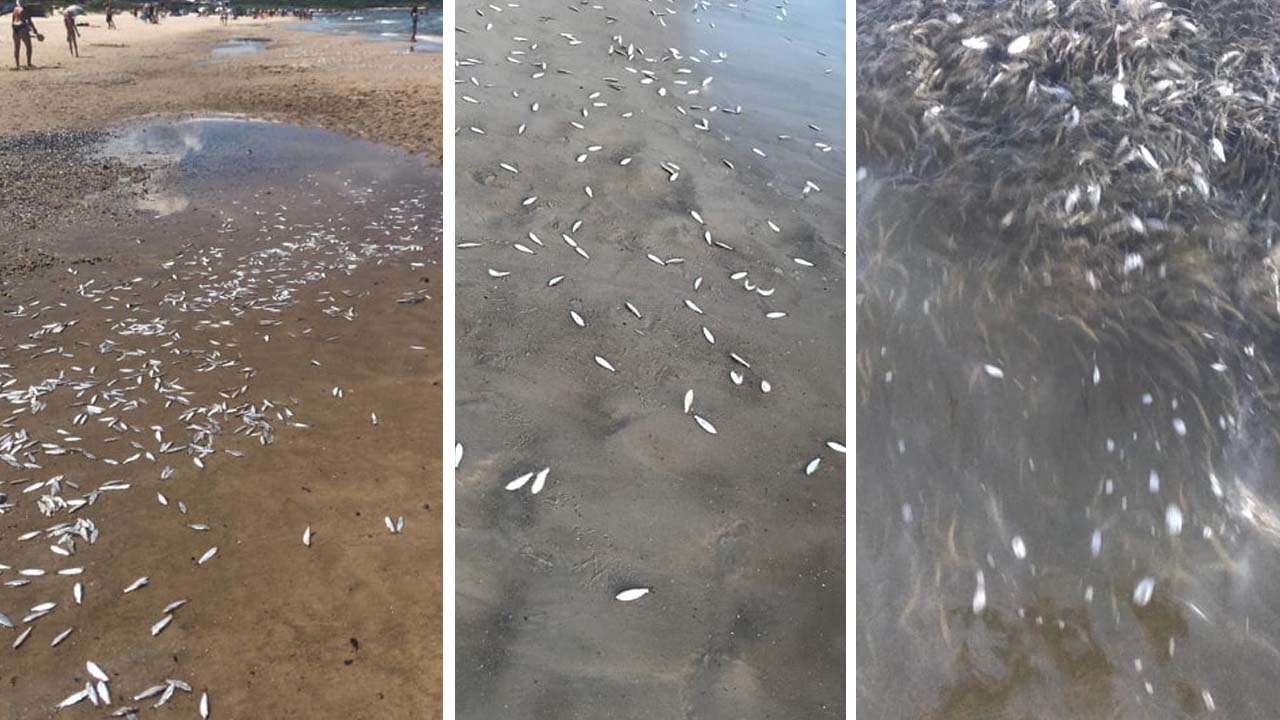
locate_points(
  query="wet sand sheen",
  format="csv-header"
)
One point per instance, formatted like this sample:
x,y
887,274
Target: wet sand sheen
x,y
742,551
271,627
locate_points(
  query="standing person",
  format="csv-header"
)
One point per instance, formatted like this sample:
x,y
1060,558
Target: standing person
x,y
73,32
23,29
413,16
111,14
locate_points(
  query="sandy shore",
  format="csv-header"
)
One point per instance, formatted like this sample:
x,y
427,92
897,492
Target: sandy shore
x,y
579,362
364,88
280,285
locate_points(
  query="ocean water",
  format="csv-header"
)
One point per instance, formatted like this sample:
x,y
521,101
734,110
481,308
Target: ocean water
x,y
391,24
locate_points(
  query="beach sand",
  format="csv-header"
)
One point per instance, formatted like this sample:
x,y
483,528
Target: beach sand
x,y
742,550
362,87
321,255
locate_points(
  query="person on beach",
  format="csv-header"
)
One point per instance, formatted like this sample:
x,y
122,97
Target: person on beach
x,y
73,32
413,16
23,29
111,14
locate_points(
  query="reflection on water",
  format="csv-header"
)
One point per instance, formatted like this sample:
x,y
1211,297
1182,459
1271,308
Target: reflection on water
x,y
1066,509
188,157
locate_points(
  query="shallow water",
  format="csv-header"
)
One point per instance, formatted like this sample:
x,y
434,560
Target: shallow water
x,y
391,24
203,154
1021,484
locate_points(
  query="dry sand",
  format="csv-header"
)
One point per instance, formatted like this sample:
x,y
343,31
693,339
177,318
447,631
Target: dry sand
x,y
365,88
743,550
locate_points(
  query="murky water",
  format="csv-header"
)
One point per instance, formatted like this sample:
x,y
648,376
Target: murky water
x,y
1066,506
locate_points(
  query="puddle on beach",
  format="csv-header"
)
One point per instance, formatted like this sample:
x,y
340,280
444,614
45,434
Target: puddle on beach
x,y
255,364
1053,524
193,158
241,46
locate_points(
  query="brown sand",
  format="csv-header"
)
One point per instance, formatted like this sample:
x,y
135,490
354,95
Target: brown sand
x,y
364,88
350,627
347,628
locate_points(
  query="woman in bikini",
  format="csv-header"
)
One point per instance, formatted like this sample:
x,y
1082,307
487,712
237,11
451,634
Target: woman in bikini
x,y
23,29
73,32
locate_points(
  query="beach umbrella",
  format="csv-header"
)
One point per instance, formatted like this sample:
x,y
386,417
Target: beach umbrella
x,y
73,10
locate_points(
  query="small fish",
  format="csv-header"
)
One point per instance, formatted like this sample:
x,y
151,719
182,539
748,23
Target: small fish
x,y
204,705
632,594
1143,590
1019,45
604,364
812,467
159,627
519,482
57,640
208,555
539,481
136,584
306,537
96,671
73,698
705,424
1019,547
688,401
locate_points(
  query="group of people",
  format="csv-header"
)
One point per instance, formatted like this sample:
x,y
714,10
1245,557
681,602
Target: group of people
x,y
24,29
22,25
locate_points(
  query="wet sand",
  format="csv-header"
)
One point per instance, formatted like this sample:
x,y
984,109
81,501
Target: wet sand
x,y
741,549
282,264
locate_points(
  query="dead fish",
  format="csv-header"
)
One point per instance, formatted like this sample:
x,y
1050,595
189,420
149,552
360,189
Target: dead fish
x,y
136,584
705,424
604,364
812,467
159,626
204,705
96,671
519,482
539,481
74,698
208,555
632,594
688,401
150,692
306,537
1143,590
57,639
